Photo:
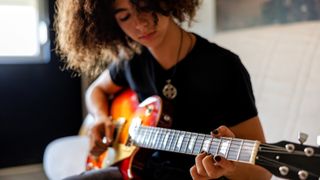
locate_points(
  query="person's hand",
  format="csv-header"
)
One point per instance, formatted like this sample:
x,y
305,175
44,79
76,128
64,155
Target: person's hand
x,y
101,136
208,166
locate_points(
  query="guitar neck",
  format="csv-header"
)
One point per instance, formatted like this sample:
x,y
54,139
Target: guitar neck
x,y
184,142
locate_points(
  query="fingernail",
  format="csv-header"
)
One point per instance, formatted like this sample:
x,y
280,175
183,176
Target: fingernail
x,y
215,132
202,152
110,140
217,158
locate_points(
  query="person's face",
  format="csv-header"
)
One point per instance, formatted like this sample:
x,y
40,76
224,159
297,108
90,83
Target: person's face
x,y
140,26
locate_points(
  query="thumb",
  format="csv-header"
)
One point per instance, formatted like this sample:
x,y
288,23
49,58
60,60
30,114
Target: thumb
x,y
109,129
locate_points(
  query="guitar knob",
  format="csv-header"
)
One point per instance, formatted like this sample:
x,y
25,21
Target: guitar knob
x,y
284,170
302,137
309,151
303,174
167,118
290,148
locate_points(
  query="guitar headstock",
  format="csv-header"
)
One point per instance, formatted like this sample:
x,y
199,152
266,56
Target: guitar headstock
x,y
290,160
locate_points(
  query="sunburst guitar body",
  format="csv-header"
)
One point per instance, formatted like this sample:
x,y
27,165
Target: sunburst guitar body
x,y
127,112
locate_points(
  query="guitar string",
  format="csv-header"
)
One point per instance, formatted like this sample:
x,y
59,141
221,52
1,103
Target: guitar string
x,y
273,163
199,146
188,136
282,150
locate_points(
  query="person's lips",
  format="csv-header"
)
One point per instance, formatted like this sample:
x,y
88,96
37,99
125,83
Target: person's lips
x,y
148,35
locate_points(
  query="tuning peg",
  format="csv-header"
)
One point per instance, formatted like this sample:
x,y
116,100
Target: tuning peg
x,y
318,140
302,137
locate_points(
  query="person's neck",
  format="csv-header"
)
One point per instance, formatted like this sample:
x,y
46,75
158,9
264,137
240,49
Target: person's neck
x,y
166,53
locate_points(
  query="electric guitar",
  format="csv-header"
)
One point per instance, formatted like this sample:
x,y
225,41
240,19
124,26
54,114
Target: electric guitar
x,y
136,133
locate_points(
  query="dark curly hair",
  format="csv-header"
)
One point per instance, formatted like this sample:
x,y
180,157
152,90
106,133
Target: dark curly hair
x,y
88,37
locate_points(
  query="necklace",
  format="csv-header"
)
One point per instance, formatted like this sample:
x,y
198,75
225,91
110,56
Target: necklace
x,y
169,90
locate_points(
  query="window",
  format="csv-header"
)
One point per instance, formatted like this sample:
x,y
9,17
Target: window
x,y
24,32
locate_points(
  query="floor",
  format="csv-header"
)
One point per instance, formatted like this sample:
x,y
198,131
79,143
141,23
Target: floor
x,y
29,172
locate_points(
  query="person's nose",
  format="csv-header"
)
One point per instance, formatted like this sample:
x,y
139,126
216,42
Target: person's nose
x,y
141,22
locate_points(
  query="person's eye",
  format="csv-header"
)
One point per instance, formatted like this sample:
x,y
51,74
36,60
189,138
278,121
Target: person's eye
x,y
124,18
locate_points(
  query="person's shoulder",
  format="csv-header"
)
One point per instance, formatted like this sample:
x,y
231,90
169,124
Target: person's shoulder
x,y
212,49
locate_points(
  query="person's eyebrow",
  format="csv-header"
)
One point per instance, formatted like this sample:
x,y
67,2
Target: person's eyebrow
x,y
119,10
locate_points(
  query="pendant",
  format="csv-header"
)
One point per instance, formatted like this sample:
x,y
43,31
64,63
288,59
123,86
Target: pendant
x,y
169,91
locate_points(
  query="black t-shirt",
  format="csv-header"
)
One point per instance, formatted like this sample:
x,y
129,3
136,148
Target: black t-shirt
x,y
213,88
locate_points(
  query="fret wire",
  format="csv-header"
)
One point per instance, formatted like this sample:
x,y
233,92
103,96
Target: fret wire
x,y
154,137
177,139
150,129
202,143
146,136
240,149
166,135
165,140
210,144
171,135
139,135
246,153
163,136
194,142
195,146
189,134
156,142
168,141
205,145
217,151
184,135
228,148
160,139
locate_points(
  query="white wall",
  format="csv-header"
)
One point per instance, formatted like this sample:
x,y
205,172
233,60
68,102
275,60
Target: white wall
x,y
205,20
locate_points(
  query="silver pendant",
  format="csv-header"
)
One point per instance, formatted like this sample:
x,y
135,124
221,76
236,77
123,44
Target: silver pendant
x,y
169,91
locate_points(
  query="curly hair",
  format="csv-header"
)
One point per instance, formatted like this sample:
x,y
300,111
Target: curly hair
x,y
88,37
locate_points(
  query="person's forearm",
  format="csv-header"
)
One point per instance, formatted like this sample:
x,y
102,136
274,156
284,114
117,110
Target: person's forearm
x,y
97,102
249,172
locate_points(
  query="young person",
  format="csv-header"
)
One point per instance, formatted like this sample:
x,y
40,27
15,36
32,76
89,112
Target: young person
x,y
149,52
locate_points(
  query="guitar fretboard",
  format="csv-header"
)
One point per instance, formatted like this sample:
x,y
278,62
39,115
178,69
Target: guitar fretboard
x,y
193,143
